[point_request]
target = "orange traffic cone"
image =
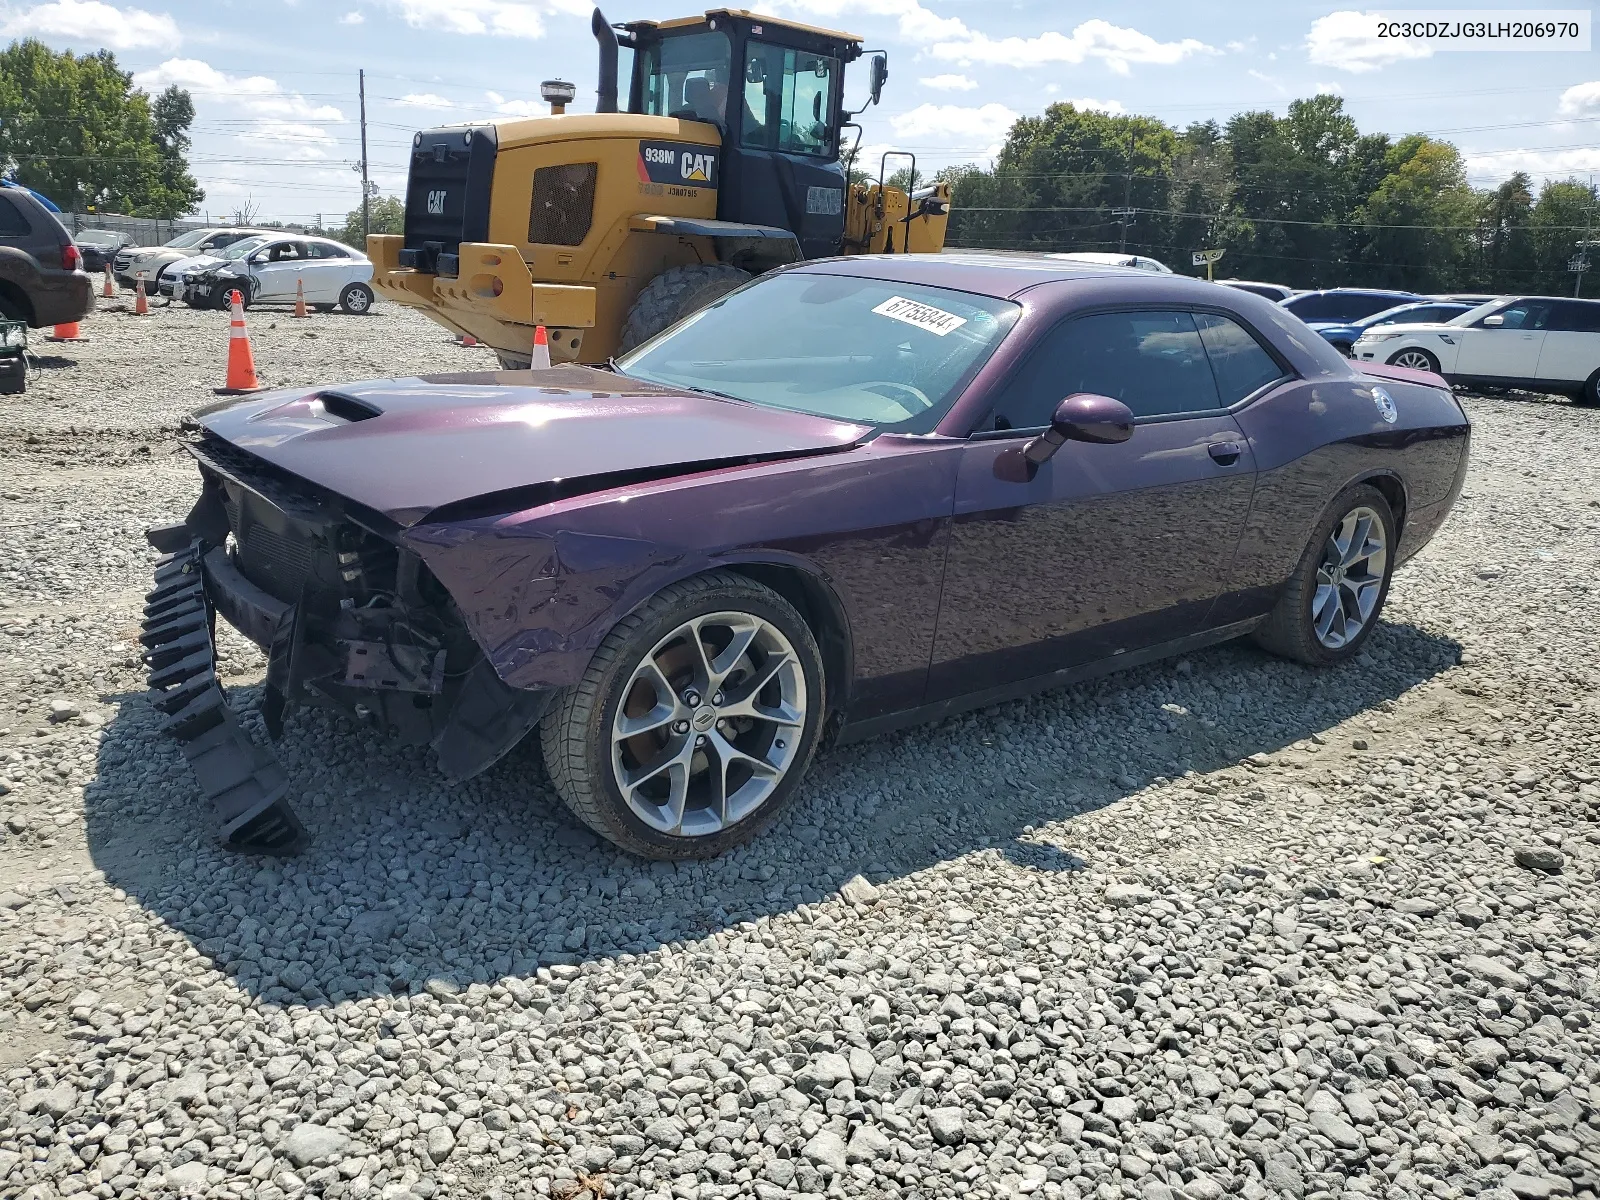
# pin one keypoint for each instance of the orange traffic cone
(300, 298)
(141, 306)
(468, 340)
(107, 289)
(241, 362)
(64, 333)
(541, 349)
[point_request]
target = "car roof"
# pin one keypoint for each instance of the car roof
(1002, 274)
(1358, 291)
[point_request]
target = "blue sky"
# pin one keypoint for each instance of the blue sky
(274, 81)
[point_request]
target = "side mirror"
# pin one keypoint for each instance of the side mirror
(1082, 417)
(880, 75)
(1494, 322)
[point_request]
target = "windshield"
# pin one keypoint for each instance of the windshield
(893, 355)
(239, 249)
(183, 240)
(96, 237)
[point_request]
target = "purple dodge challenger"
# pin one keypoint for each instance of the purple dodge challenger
(850, 495)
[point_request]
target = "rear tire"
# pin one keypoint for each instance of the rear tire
(356, 299)
(700, 718)
(1415, 358)
(1336, 594)
(1590, 395)
(675, 294)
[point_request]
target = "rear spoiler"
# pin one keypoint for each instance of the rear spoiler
(1401, 374)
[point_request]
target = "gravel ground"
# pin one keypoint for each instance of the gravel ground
(1221, 925)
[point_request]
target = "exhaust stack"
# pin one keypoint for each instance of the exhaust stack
(606, 98)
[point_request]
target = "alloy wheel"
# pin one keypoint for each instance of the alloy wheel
(1350, 578)
(1417, 360)
(709, 723)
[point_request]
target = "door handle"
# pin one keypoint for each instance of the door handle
(1226, 453)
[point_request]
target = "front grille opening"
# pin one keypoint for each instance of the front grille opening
(563, 204)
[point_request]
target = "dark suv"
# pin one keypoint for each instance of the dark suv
(40, 277)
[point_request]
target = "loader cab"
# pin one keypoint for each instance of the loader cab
(775, 90)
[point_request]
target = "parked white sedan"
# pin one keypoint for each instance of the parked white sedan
(1542, 343)
(268, 270)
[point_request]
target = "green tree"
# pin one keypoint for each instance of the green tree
(1561, 215)
(76, 129)
(1420, 220)
(1505, 241)
(388, 216)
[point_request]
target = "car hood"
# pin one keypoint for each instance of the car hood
(1421, 327)
(406, 447)
(193, 263)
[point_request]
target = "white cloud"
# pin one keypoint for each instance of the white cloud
(517, 108)
(1113, 108)
(1538, 163)
(949, 83)
(504, 18)
(423, 100)
(955, 127)
(1580, 99)
(1348, 41)
(1331, 89)
(266, 111)
(91, 22)
(1115, 45)
(353, 17)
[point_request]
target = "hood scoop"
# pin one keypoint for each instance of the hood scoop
(343, 407)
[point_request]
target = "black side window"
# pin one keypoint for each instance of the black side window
(1530, 314)
(12, 222)
(324, 250)
(1575, 316)
(1316, 307)
(1154, 362)
(1241, 365)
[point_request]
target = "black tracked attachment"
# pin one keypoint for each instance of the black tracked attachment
(243, 780)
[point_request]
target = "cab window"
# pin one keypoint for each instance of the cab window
(788, 100)
(687, 77)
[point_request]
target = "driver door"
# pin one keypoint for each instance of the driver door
(1106, 550)
(276, 269)
(1509, 350)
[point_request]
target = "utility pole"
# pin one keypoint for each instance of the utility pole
(366, 189)
(1126, 211)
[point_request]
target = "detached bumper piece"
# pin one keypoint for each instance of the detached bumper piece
(243, 780)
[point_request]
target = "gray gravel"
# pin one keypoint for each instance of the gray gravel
(1219, 926)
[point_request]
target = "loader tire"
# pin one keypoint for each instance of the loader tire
(673, 295)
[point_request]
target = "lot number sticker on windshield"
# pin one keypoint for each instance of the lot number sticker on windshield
(923, 316)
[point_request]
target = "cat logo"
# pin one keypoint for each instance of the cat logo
(436, 204)
(677, 164)
(697, 168)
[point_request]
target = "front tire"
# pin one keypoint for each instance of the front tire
(1334, 599)
(675, 294)
(690, 731)
(356, 299)
(1416, 358)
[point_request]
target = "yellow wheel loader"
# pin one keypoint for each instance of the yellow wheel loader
(607, 227)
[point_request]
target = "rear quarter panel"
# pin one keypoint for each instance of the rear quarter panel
(1313, 439)
(541, 589)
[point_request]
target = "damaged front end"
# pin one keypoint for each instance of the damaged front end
(349, 619)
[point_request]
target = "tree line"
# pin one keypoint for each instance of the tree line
(1305, 200)
(76, 129)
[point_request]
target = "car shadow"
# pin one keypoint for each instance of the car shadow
(409, 879)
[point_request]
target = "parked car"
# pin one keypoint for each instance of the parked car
(1342, 335)
(99, 247)
(1542, 343)
(269, 270)
(1472, 298)
(148, 262)
(1137, 261)
(1267, 291)
(178, 276)
(41, 277)
(1343, 305)
(852, 494)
